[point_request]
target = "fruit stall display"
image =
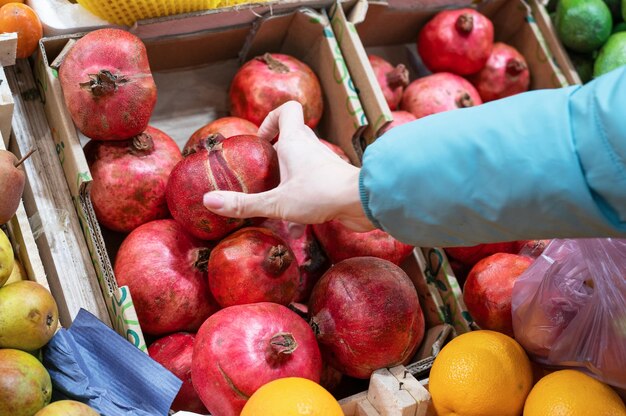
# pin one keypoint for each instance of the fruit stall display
(264, 316)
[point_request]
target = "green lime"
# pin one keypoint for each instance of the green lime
(583, 25)
(612, 55)
(584, 66)
(620, 27)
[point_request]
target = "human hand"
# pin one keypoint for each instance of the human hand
(315, 184)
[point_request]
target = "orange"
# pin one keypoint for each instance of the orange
(572, 393)
(480, 373)
(18, 17)
(292, 396)
(3, 2)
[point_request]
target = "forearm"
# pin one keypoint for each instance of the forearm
(544, 164)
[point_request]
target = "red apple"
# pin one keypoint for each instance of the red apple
(489, 288)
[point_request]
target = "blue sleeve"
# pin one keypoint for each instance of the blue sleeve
(543, 164)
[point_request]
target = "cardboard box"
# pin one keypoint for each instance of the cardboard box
(201, 64)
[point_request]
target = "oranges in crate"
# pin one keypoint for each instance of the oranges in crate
(18, 17)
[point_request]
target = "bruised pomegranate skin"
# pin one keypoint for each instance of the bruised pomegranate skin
(366, 315)
(457, 41)
(265, 82)
(488, 290)
(107, 84)
(341, 243)
(505, 73)
(437, 93)
(253, 265)
(399, 118)
(392, 80)
(312, 262)
(243, 163)
(226, 126)
(336, 149)
(243, 347)
(165, 270)
(129, 178)
(174, 352)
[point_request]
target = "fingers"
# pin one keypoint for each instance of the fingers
(287, 117)
(240, 205)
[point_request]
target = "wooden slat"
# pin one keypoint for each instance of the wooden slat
(48, 203)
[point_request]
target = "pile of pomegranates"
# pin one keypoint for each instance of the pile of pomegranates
(467, 68)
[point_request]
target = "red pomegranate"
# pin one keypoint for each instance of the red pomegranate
(366, 315)
(531, 248)
(437, 93)
(174, 352)
(107, 85)
(129, 178)
(253, 265)
(470, 255)
(399, 118)
(240, 163)
(457, 41)
(226, 126)
(165, 270)
(392, 80)
(310, 257)
(243, 347)
(506, 73)
(488, 290)
(336, 149)
(265, 82)
(340, 243)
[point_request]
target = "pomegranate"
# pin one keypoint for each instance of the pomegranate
(366, 315)
(437, 93)
(129, 178)
(174, 352)
(392, 80)
(253, 265)
(107, 85)
(457, 41)
(311, 260)
(243, 347)
(506, 73)
(165, 270)
(470, 255)
(336, 149)
(399, 118)
(340, 243)
(265, 82)
(240, 163)
(226, 126)
(531, 248)
(488, 290)
(331, 377)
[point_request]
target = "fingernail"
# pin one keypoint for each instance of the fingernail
(213, 200)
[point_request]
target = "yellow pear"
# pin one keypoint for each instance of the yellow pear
(28, 316)
(25, 385)
(67, 408)
(12, 180)
(17, 274)
(6, 258)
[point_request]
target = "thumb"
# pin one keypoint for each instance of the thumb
(239, 204)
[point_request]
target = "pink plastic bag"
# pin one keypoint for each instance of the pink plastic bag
(569, 307)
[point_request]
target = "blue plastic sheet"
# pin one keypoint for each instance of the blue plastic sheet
(91, 363)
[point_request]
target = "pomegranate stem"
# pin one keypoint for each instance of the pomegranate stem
(282, 344)
(464, 101)
(202, 261)
(143, 141)
(103, 83)
(274, 64)
(278, 259)
(514, 67)
(398, 77)
(26, 156)
(465, 23)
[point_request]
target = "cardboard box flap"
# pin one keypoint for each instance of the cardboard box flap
(374, 103)
(308, 36)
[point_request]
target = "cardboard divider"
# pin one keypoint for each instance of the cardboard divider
(192, 73)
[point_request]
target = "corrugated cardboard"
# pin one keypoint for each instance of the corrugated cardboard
(209, 59)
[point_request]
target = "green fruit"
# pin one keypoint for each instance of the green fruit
(25, 385)
(620, 27)
(6, 258)
(615, 8)
(67, 408)
(28, 316)
(612, 55)
(584, 66)
(583, 25)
